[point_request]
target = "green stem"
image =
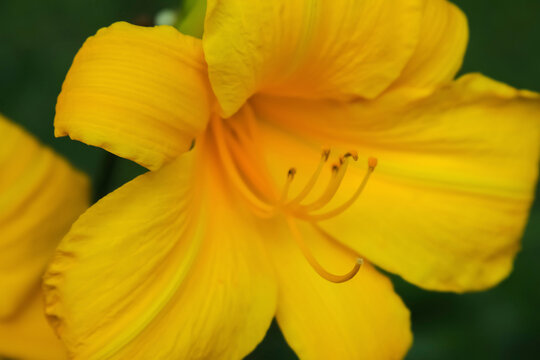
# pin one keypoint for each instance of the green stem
(191, 15)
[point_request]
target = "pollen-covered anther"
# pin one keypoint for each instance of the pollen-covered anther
(372, 163)
(290, 177)
(325, 154)
(291, 173)
(352, 154)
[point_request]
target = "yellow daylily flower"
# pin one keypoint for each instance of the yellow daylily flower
(269, 209)
(40, 197)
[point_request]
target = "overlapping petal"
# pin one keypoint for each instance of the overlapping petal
(360, 319)
(307, 48)
(164, 267)
(447, 204)
(439, 53)
(40, 196)
(140, 93)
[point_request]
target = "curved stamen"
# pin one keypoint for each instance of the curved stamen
(285, 192)
(315, 264)
(338, 172)
(372, 163)
(313, 180)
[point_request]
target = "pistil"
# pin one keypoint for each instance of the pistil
(313, 261)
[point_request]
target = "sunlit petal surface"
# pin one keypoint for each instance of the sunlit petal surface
(307, 48)
(450, 196)
(138, 92)
(162, 261)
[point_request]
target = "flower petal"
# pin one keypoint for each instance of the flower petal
(40, 196)
(307, 48)
(457, 170)
(439, 54)
(140, 93)
(27, 335)
(164, 267)
(360, 319)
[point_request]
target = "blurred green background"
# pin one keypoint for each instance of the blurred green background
(38, 40)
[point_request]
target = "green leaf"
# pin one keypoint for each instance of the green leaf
(191, 17)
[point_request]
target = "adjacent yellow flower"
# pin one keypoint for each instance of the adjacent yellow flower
(40, 196)
(194, 258)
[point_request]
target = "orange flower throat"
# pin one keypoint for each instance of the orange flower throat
(261, 197)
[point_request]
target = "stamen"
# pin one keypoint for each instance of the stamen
(313, 180)
(338, 172)
(290, 178)
(325, 154)
(315, 264)
(372, 163)
(291, 173)
(352, 154)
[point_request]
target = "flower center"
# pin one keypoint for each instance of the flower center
(254, 186)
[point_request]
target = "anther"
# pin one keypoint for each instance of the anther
(352, 154)
(285, 192)
(291, 173)
(325, 154)
(372, 163)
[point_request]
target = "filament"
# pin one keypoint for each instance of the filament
(338, 172)
(372, 163)
(313, 180)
